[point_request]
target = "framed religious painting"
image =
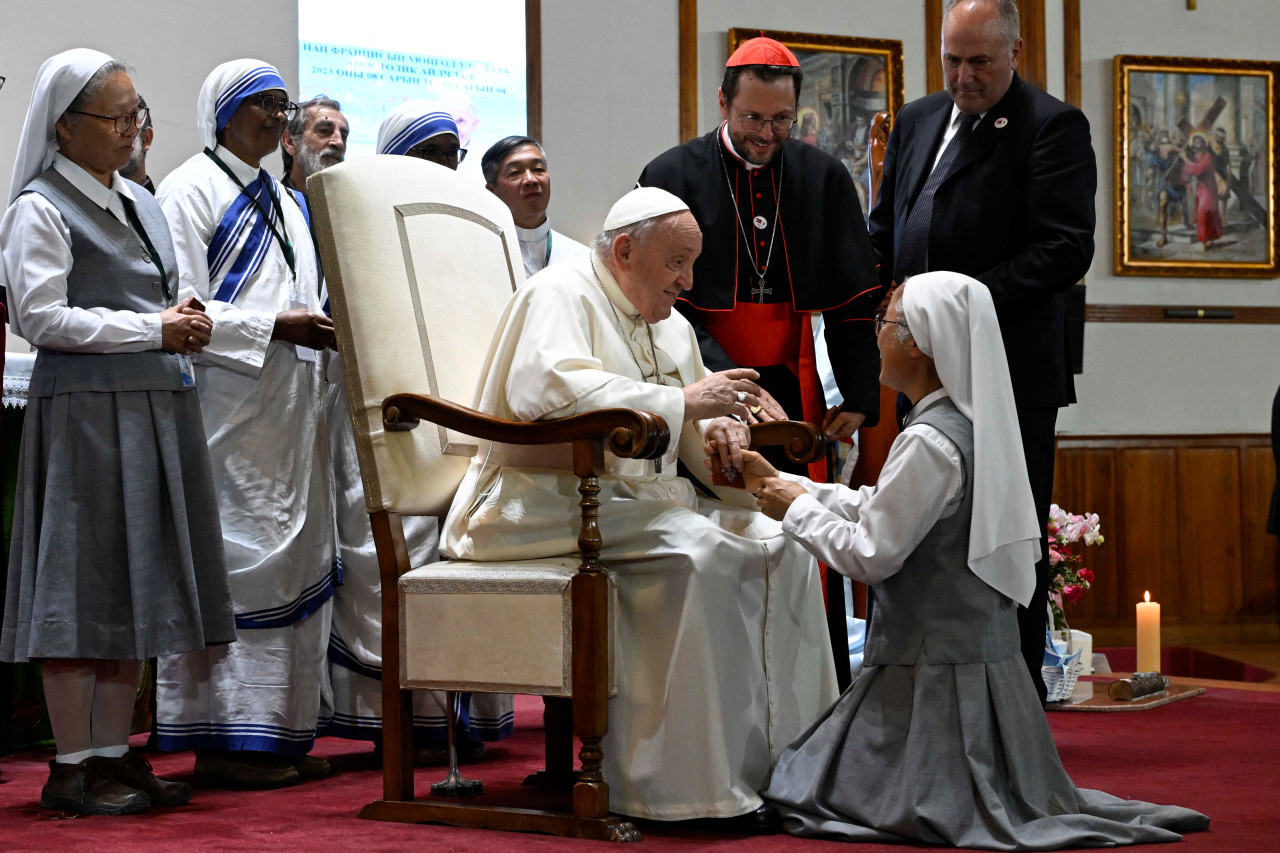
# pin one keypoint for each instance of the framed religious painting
(1195, 167)
(847, 80)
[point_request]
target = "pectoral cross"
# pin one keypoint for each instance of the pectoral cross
(758, 293)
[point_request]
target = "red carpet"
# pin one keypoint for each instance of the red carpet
(1217, 753)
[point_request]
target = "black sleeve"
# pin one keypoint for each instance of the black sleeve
(850, 327)
(880, 220)
(855, 359)
(1062, 180)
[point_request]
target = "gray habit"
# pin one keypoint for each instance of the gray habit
(942, 739)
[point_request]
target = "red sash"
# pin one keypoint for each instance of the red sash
(764, 335)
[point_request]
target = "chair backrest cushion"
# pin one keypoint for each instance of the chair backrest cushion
(420, 263)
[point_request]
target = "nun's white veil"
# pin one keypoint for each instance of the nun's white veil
(953, 320)
(58, 82)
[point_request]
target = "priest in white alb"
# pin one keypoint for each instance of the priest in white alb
(722, 650)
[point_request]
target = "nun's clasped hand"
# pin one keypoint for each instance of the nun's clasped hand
(185, 328)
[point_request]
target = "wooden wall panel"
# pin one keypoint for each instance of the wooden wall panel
(1148, 508)
(1260, 551)
(1208, 519)
(1184, 517)
(1086, 483)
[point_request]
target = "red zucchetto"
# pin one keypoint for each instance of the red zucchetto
(762, 51)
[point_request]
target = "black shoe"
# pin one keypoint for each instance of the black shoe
(135, 771)
(244, 770)
(765, 820)
(90, 788)
(311, 767)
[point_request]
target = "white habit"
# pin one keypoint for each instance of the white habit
(261, 401)
(723, 656)
(543, 246)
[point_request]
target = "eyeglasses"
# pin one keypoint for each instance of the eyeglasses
(271, 104)
(881, 322)
(752, 123)
(123, 122)
(443, 156)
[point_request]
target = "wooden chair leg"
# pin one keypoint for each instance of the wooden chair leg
(591, 690)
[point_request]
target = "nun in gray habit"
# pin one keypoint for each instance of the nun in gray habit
(941, 739)
(117, 552)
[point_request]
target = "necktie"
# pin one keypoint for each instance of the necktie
(913, 247)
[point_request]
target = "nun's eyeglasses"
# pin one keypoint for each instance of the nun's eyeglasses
(443, 156)
(124, 121)
(881, 322)
(271, 104)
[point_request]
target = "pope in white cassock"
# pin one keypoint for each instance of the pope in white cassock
(250, 709)
(722, 649)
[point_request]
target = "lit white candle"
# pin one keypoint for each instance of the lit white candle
(1148, 635)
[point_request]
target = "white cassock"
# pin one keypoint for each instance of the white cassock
(543, 246)
(261, 401)
(355, 645)
(723, 655)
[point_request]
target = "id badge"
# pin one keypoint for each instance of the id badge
(188, 372)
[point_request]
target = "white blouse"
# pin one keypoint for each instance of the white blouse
(867, 533)
(34, 268)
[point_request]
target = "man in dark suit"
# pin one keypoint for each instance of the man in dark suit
(1011, 204)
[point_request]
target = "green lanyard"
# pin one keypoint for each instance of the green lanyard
(132, 216)
(285, 244)
(547, 259)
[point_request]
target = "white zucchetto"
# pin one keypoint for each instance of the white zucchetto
(640, 204)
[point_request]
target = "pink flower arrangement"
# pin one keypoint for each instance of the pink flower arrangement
(1068, 534)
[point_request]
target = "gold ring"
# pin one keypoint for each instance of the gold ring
(755, 410)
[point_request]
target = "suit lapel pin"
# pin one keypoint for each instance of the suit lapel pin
(1001, 122)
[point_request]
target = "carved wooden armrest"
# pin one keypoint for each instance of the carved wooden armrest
(629, 433)
(802, 442)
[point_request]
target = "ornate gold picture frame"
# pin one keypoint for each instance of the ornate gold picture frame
(847, 80)
(1195, 167)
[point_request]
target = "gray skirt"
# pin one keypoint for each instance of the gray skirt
(951, 754)
(117, 548)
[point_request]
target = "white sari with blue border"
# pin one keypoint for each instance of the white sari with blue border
(263, 410)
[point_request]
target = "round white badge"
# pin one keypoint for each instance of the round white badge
(760, 223)
(1001, 122)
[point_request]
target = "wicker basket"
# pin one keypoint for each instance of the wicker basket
(1061, 669)
(1060, 681)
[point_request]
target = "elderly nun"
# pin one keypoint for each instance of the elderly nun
(116, 554)
(250, 710)
(942, 738)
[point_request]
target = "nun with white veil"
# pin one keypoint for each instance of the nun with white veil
(942, 738)
(116, 554)
(423, 130)
(250, 710)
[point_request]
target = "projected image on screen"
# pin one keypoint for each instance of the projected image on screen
(373, 55)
